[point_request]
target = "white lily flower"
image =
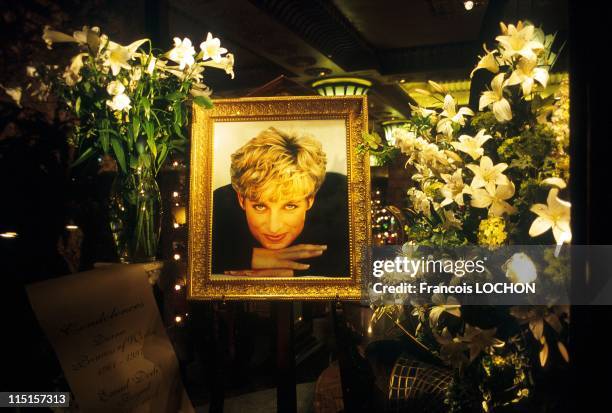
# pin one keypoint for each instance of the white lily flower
(495, 97)
(226, 63)
(31, 71)
(420, 201)
(452, 349)
(72, 74)
(472, 145)
(14, 93)
(436, 87)
(526, 74)
(453, 157)
(554, 181)
(200, 89)
(193, 72)
(151, 65)
(450, 111)
(454, 188)
(494, 199)
(196, 73)
(161, 67)
(431, 154)
(136, 74)
(488, 62)
(405, 140)
(488, 175)
(52, 36)
(211, 48)
(120, 102)
(182, 53)
(504, 28)
(520, 269)
(118, 56)
(89, 37)
(443, 305)
(555, 215)
(423, 112)
(547, 40)
(519, 40)
(451, 115)
(115, 88)
(174, 70)
(480, 340)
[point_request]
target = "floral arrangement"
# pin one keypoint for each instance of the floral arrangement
(490, 178)
(130, 103)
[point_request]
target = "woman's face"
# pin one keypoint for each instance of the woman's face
(276, 224)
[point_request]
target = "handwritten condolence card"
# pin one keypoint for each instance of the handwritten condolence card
(110, 340)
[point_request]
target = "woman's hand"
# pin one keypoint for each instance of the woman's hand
(284, 258)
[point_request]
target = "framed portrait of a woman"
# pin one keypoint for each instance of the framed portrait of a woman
(279, 199)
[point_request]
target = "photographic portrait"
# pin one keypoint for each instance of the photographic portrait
(270, 196)
(280, 199)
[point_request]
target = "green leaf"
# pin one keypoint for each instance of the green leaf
(163, 152)
(149, 129)
(104, 135)
(133, 163)
(140, 145)
(178, 144)
(104, 140)
(174, 96)
(152, 146)
(84, 156)
(77, 106)
(146, 160)
(129, 137)
(111, 131)
(178, 114)
(146, 105)
(118, 149)
(178, 131)
(203, 101)
(136, 126)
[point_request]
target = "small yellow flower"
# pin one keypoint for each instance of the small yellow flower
(492, 232)
(498, 360)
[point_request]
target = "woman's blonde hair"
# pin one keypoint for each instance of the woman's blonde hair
(275, 165)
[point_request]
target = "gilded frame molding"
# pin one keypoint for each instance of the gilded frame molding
(201, 286)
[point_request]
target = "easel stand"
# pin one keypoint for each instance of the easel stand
(354, 377)
(217, 391)
(286, 395)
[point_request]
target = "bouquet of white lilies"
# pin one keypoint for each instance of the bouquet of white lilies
(491, 178)
(127, 101)
(480, 177)
(130, 103)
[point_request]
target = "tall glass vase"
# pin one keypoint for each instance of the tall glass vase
(135, 216)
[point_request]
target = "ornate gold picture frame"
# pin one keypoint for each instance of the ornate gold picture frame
(338, 123)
